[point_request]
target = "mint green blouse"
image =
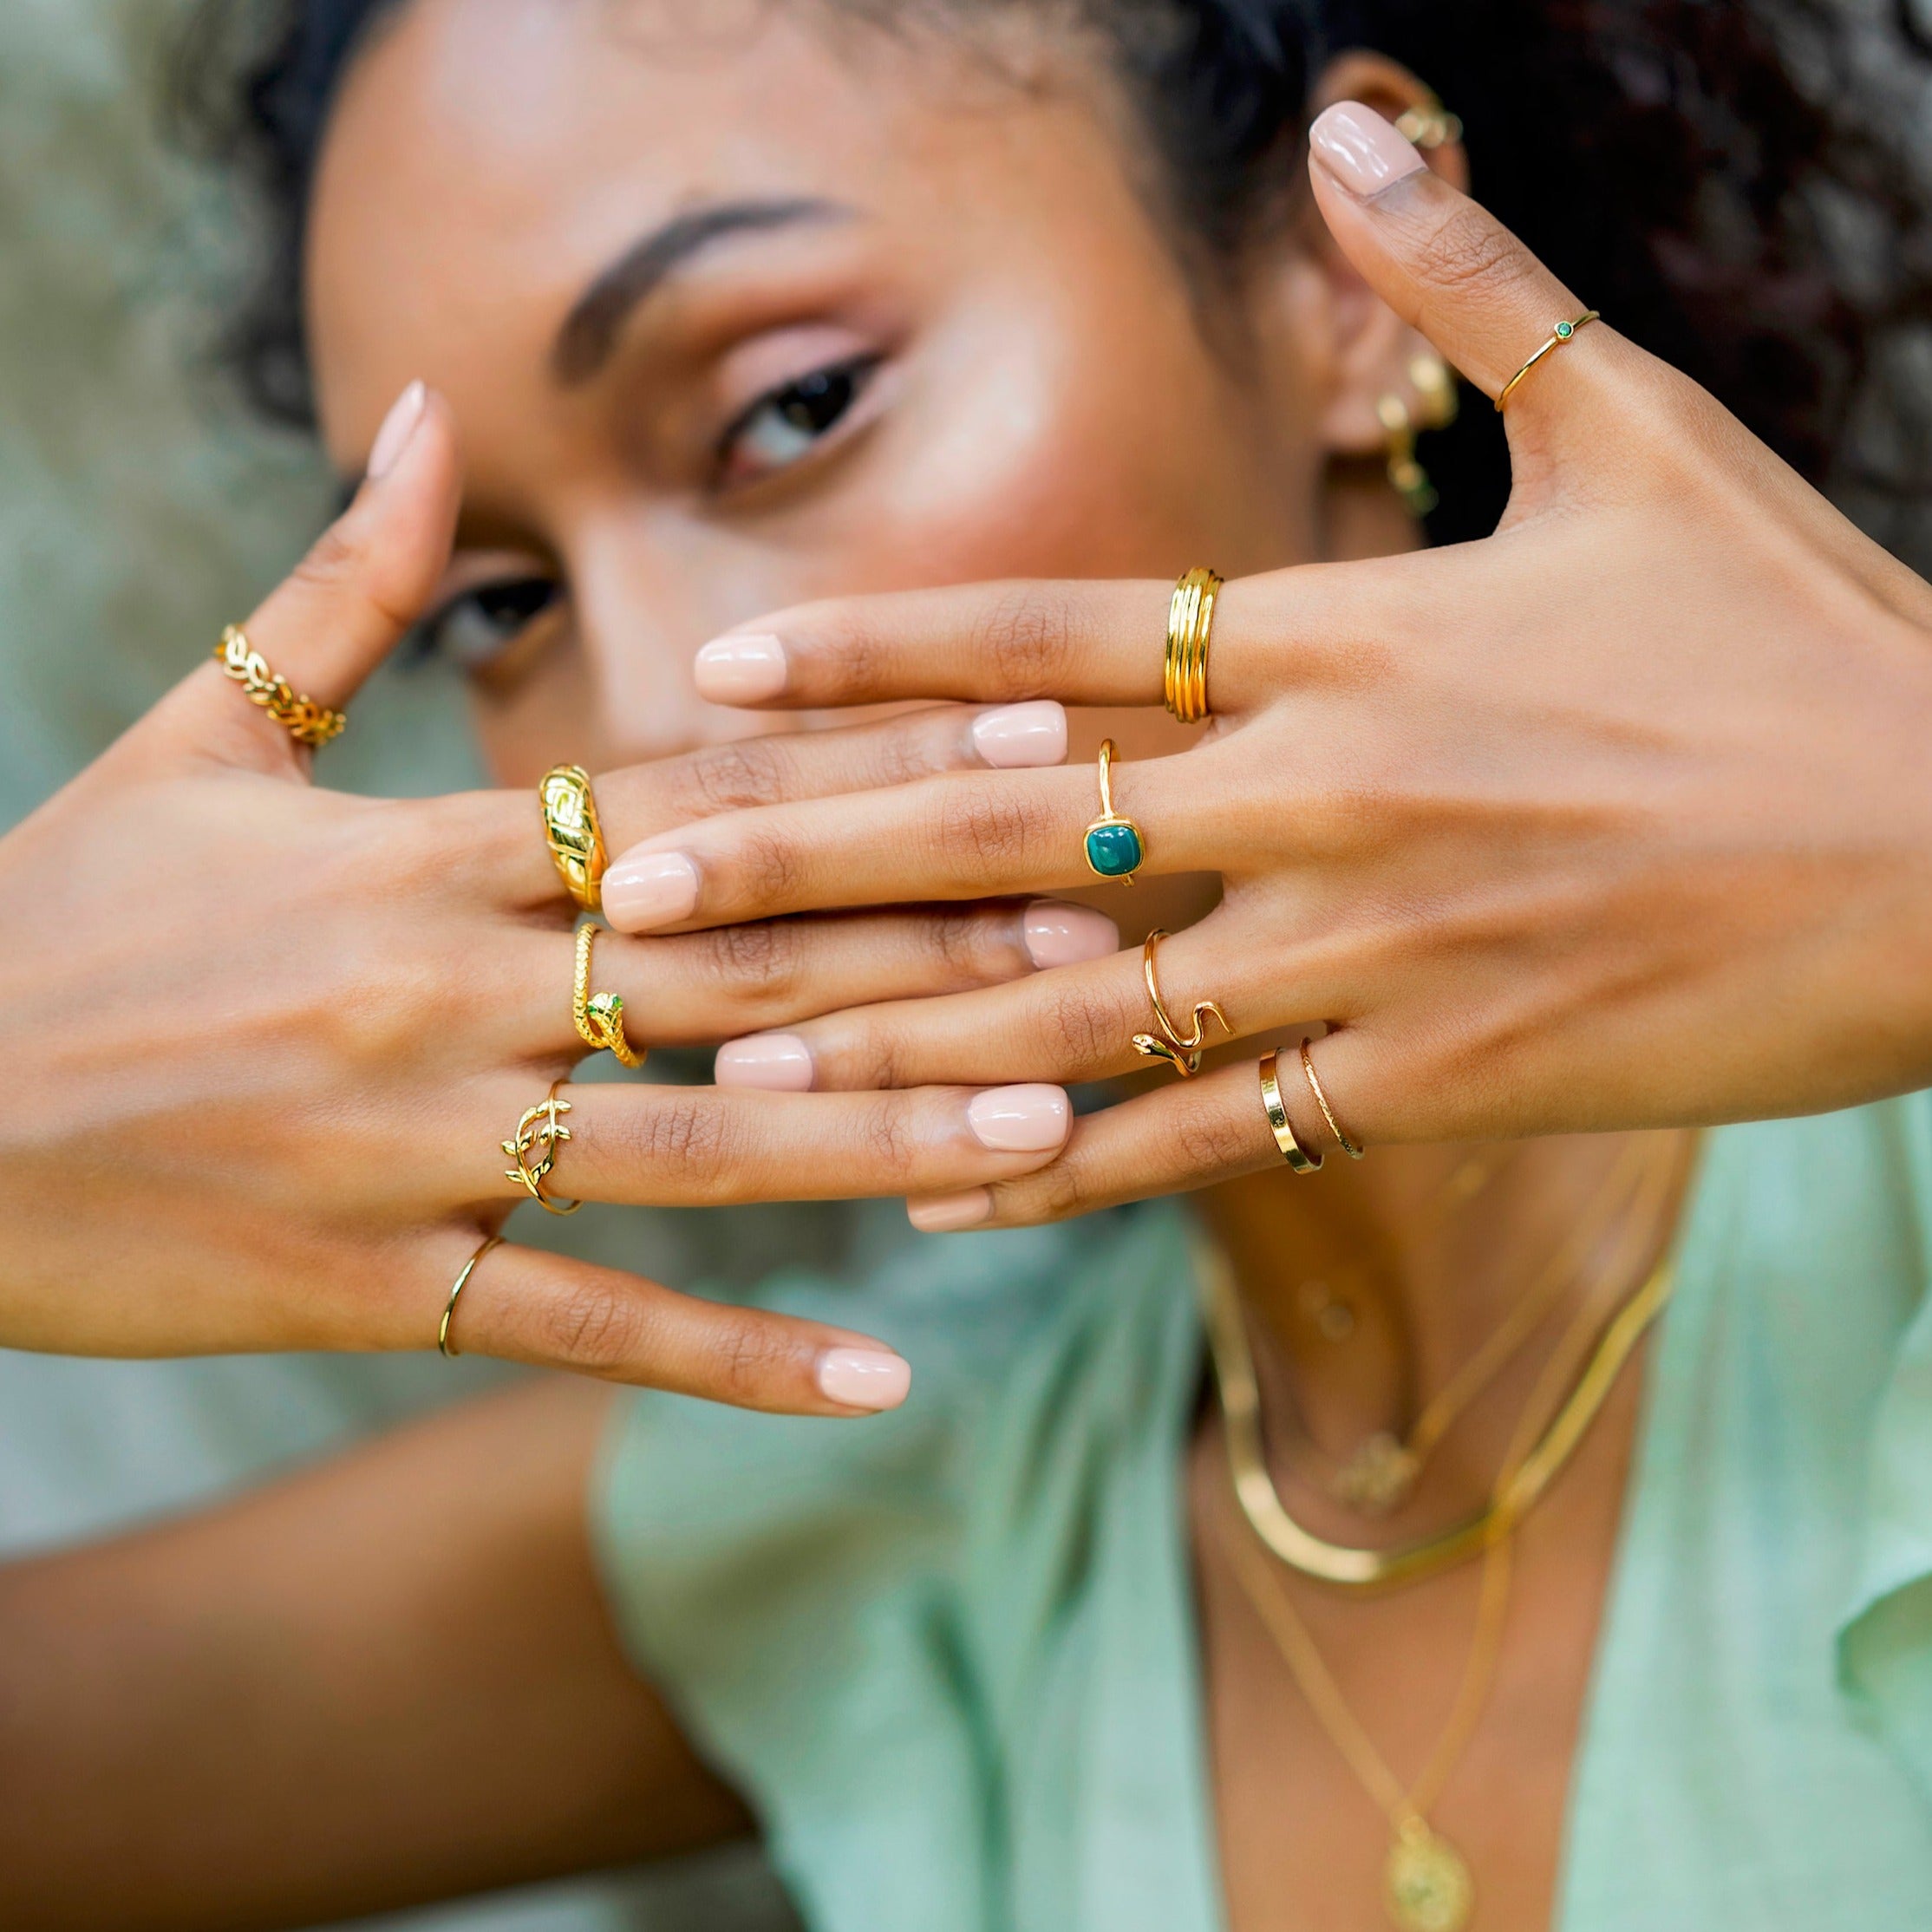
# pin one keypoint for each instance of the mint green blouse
(951, 1656)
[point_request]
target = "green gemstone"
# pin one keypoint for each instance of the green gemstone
(1565, 330)
(1114, 848)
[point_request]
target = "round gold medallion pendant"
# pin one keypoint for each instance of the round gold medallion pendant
(1427, 1886)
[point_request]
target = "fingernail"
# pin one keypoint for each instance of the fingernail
(1058, 934)
(1361, 149)
(1018, 734)
(864, 1377)
(777, 1062)
(745, 667)
(1019, 1119)
(943, 1213)
(398, 427)
(654, 889)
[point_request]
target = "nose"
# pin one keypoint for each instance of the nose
(642, 615)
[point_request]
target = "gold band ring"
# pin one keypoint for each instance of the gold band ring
(1558, 337)
(443, 1348)
(575, 837)
(1113, 845)
(1182, 1051)
(598, 1018)
(538, 1132)
(306, 722)
(1278, 1123)
(1190, 622)
(1348, 1146)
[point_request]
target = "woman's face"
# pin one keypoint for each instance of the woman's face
(769, 305)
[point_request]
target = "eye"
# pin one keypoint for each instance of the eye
(787, 422)
(474, 630)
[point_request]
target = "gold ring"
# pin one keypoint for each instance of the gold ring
(1189, 621)
(306, 722)
(1278, 1124)
(1559, 336)
(598, 1018)
(575, 836)
(1114, 846)
(1348, 1146)
(538, 1132)
(443, 1348)
(1181, 1051)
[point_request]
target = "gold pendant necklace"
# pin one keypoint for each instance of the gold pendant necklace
(1353, 1567)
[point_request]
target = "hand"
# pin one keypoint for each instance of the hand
(260, 1041)
(1618, 818)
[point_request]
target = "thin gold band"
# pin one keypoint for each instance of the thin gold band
(572, 830)
(598, 1018)
(1348, 1146)
(443, 1348)
(1278, 1123)
(306, 722)
(1189, 623)
(1182, 1051)
(1562, 332)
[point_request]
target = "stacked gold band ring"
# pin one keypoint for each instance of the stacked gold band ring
(1559, 336)
(598, 1018)
(443, 1347)
(1189, 623)
(306, 722)
(575, 837)
(1348, 1146)
(1182, 1051)
(1293, 1152)
(537, 1134)
(1112, 843)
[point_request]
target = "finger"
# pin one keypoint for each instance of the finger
(1444, 264)
(701, 988)
(648, 1145)
(1187, 1135)
(1081, 642)
(521, 1304)
(995, 834)
(642, 800)
(350, 602)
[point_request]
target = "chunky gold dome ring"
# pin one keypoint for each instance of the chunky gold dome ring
(575, 837)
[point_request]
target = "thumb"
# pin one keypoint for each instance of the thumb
(368, 576)
(1447, 267)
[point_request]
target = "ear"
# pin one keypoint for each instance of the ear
(1371, 356)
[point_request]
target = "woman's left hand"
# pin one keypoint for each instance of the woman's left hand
(1620, 818)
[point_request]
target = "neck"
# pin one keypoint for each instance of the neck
(1369, 1287)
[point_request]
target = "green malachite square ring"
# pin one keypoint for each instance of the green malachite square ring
(1114, 848)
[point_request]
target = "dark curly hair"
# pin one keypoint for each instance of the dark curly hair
(1660, 155)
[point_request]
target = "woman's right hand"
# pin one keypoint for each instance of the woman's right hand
(263, 1040)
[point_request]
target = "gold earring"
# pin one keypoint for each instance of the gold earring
(1430, 378)
(1409, 479)
(1429, 124)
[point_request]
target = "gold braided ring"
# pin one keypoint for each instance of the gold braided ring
(1348, 1146)
(598, 1018)
(1190, 622)
(538, 1133)
(1293, 1152)
(306, 722)
(1182, 1051)
(1558, 337)
(576, 839)
(443, 1348)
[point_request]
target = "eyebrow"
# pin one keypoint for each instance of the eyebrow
(590, 332)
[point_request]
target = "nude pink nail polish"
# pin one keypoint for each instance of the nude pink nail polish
(1031, 1119)
(1359, 149)
(742, 668)
(652, 889)
(864, 1377)
(1058, 934)
(775, 1062)
(398, 427)
(945, 1213)
(1021, 735)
